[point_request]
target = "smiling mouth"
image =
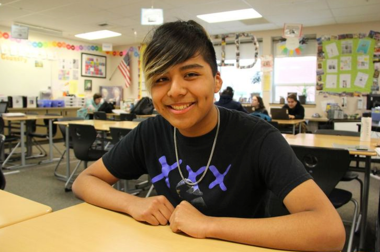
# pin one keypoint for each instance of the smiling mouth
(180, 107)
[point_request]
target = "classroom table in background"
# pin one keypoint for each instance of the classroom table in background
(292, 122)
(85, 227)
(15, 209)
(22, 120)
(101, 125)
(355, 147)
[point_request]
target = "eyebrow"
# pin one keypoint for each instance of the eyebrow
(190, 67)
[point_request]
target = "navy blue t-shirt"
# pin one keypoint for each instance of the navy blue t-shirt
(250, 158)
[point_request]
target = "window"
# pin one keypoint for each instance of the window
(245, 82)
(295, 73)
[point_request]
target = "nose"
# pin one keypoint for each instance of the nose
(178, 87)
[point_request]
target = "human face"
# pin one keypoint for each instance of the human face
(255, 102)
(184, 95)
(97, 100)
(291, 103)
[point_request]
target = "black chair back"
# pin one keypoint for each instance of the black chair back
(83, 137)
(62, 128)
(100, 115)
(326, 165)
(2, 177)
(118, 133)
(336, 132)
(3, 107)
(127, 117)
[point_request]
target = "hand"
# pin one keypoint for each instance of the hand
(153, 210)
(291, 117)
(186, 218)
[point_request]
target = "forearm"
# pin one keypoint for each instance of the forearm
(97, 192)
(302, 231)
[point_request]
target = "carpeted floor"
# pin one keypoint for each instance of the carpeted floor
(38, 183)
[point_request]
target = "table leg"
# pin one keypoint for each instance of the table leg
(294, 129)
(67, 152)
(364, 208)
(300, 128)
(51, 143)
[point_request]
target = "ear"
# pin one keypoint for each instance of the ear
(218, 82)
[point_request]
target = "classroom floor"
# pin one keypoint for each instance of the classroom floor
(39, 184)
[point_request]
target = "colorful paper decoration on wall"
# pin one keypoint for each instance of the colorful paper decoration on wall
(64, 45)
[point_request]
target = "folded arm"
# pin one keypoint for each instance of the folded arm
(94, 185)
(313, 225)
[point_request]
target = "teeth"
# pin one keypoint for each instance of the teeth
(180, 107)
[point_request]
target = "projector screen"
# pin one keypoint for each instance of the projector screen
(295, 70)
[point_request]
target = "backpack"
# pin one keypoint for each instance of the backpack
(262, 116)
(106, 107)
(143, 107)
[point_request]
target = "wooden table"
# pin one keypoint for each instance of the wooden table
(291, 122)
(15, 209)
(329, 141)
(99, 125)
(88, 228)
(22, 120)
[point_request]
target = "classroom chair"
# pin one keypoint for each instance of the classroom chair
(127, 117)
(327, 166)
(83, 137)
(62, 129)
(349, 175)
(33, 134)
(100, 115)
(2, 177)
(9, 139)
(117, 134)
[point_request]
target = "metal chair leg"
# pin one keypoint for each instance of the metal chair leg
(67, 189)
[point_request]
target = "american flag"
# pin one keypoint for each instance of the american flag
(124, 69)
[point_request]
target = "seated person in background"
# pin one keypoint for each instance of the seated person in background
(211, 167)
(258, 105)
(294, 107)
(91, 105)
(226, 100)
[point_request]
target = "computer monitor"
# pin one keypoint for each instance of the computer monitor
(3, 107)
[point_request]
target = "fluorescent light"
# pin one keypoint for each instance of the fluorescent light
(98, 35)
(230, 16)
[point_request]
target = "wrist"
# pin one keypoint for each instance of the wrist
(211, 227)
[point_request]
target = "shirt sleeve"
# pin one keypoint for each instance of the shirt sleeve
(281, 169)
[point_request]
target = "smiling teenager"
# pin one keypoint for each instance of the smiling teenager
(212, 167)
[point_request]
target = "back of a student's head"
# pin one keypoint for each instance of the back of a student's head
(228, 91)
(174, 43)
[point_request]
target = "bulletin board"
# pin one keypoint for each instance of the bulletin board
(348, 65)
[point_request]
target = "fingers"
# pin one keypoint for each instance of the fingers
(159, 211)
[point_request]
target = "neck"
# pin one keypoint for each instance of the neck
(209, 122)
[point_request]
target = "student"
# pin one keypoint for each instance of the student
(211, 167)
(258, 105)
(294, 107)
(91, 105)
(226, 100)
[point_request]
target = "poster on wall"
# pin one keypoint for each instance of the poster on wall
(93, 65)
(112, 94)
(348, 65)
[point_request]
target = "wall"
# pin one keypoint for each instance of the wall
(20, 76)
(319, 31)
